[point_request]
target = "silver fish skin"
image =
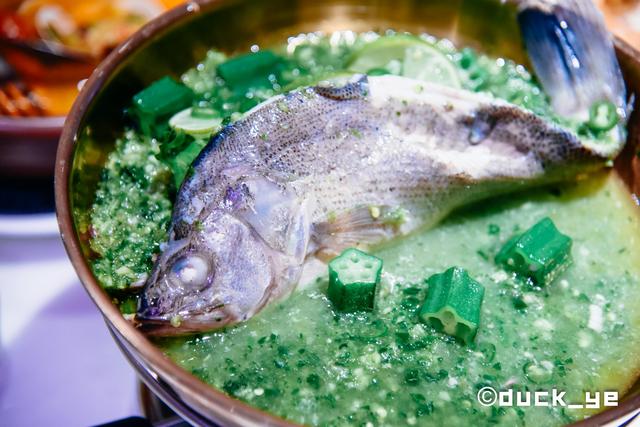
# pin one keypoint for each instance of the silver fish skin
(324, 168)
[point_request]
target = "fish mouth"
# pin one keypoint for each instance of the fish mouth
(172, 326)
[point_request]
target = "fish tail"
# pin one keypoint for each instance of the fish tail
(573, 55)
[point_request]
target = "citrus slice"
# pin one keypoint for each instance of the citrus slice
(186, 122)
(417, 58)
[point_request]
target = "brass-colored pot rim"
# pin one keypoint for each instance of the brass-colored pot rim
(203, 392)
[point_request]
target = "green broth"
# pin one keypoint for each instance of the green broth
(303, 361)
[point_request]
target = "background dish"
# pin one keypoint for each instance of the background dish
(28, 144)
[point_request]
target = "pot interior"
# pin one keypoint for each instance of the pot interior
(178, 41)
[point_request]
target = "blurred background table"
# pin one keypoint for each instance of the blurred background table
(59, 366)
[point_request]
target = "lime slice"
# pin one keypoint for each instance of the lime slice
(428, 64)
(408, 56)
(187, 123)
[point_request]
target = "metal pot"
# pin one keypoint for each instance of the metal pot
(175, 42)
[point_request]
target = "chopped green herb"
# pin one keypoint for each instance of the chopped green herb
(394, 217)
(494, 229)
(249, 69)
(282, 106)
(356, 133)
(603, 116)
(128, 305)
(162, 98)
(378, 72)
(180, 163)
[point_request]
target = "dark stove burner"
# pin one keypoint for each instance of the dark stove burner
(156, 411)
(26, 195)
(156, 414)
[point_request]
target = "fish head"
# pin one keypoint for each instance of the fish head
(221, 269)
(217, 276)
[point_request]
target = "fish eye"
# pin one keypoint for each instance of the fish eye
(190, 272)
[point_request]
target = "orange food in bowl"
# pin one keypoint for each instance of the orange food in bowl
(91, 28)
(623, 18)
(85, 30)
(55, 99)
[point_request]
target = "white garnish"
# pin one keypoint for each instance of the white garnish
(417, 331)
(530, 299)
(584, 339)
(543, 324)
(499, 276)
(381, 412)
(595, 318)
(599, 299)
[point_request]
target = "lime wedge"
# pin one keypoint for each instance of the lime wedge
(428, 64)
(408, 56)
(187, 123)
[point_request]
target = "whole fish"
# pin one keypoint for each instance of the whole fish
(321, 169)
(311, 172)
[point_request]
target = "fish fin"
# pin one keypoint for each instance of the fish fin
(573, 55)
(360, 227)
(277, 214)
(356, 88)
